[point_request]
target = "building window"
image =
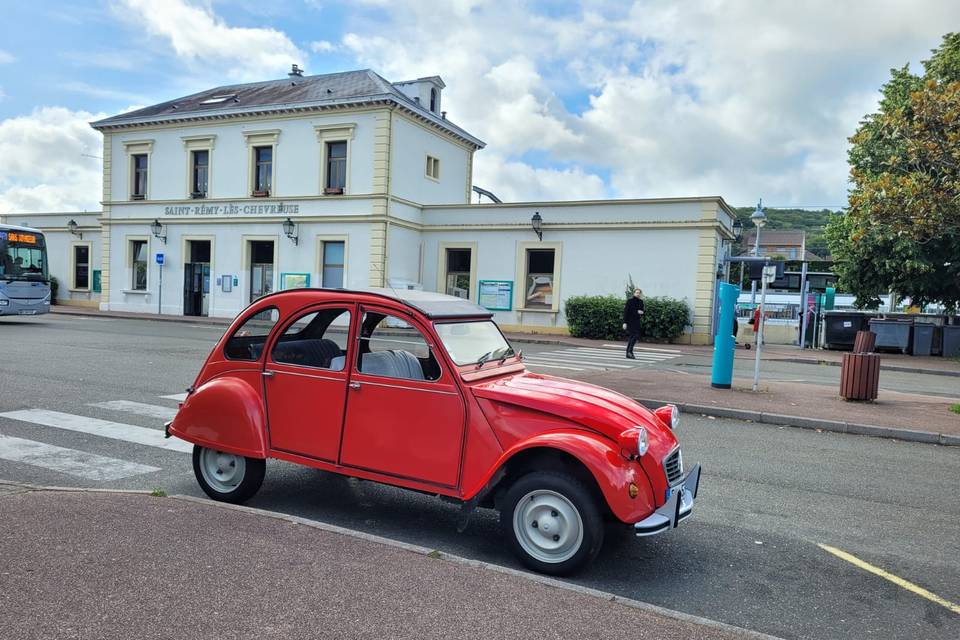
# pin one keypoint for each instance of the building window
(199, 173)
(138, 265)
(81, 266)
(539, 279)
(434, 100)
(433, 168)
(458, 272)
(333, 261)
(262, 170)
(139, 191)
(336, 167)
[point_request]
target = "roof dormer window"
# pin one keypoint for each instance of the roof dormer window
(218, 99)
(434, 100)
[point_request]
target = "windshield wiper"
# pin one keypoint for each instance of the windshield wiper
(483, 359)
(490, 355)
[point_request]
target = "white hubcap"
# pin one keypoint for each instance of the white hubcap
(548, 526)
(222, 471)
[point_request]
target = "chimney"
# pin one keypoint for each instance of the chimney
(295, 71)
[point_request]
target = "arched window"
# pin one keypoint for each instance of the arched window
(434, 100)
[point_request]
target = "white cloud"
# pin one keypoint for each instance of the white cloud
(699, 98)
(322, 46)
(6, 57)
(200, 37)
(103, 92)
(513, 181)
(45, 168)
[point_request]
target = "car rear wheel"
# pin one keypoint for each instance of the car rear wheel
(225, 476)
(551, 522)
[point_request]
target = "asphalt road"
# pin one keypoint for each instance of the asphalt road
(748, 557)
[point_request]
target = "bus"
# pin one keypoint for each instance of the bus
(24, 278)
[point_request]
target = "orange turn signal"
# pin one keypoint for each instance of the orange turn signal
(633, 490)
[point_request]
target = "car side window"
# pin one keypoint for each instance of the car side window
(393, 348)
(317, 339)
(248, 340)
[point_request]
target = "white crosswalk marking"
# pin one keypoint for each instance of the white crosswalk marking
(102, 428)
(139, 408)
(623, 346)
(598, 358)
(179, 397)
(69, 461)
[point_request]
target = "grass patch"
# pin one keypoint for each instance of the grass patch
(955, 408)
(434, 554)
(158, 493)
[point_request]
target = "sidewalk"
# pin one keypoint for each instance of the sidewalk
(89, 564)
(912, 417)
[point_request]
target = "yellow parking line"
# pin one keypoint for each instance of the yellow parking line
(900, 582)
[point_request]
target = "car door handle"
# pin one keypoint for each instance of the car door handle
(267, 374)
(354, 385)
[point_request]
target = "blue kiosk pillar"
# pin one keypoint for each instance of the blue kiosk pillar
(724, 344)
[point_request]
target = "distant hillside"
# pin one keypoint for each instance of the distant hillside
(813, 222)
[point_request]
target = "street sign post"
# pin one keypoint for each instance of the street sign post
(769, 275)
(160, 285)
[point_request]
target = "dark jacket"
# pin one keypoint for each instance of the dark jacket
(630, 315)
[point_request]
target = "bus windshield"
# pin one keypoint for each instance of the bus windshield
(23, 256)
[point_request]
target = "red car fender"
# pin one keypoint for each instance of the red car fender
(226, 414)
(613, 473)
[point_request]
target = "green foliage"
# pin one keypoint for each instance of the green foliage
(812, 222)
(664, 319)
(955, 408)
(902, 228)
(54, 287)
(601, 317)
(595, 317)
(158, 493)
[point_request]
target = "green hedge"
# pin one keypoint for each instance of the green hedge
(601, 317)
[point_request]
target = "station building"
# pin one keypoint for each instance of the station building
(349, 180)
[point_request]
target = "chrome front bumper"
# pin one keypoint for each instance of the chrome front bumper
(678, 507)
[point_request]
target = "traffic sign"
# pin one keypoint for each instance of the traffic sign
(160, 258)
(769, 273)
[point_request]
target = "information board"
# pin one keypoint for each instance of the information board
(496, 295)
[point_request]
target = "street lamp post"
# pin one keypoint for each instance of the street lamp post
(759, 218)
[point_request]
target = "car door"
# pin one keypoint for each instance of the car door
(305, 381)
(405, 415)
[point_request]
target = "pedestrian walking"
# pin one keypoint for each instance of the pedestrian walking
(632, 314)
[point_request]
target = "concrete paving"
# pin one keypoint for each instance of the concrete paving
(101, 565)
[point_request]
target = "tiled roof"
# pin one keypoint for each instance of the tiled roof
(290, 94)
(775, 236)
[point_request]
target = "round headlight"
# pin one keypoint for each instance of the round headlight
(643, 442)
(674, 417)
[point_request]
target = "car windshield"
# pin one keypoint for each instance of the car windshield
(473, 342)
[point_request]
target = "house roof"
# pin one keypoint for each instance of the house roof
(776, 237)
(306, 93)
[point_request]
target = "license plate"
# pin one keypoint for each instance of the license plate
(28, 312)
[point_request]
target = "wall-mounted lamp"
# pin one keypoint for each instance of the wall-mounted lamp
(290, 230)
(737, 230)
(72, 226)
(157, 230)
(537, 222)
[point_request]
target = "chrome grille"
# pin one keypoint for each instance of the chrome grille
(673, 467)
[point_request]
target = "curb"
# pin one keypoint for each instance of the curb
(835, 426)
(424, 551)
(213, 322)
(889, 367)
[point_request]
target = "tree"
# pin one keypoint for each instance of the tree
(902, 227)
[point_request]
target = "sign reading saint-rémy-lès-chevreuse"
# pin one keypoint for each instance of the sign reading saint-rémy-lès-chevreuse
(231, 209)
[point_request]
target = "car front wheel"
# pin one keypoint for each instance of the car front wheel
(551, 522)
(225, 476)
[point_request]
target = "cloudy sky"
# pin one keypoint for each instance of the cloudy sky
(575, 100)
